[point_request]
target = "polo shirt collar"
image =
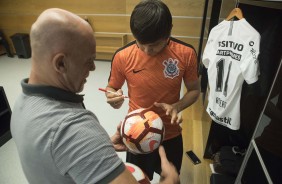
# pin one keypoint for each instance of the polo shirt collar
(50, 91)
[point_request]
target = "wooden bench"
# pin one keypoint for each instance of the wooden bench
(107, 44)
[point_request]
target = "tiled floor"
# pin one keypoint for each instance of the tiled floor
(13, 70)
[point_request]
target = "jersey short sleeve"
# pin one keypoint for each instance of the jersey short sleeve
(191, 72)
(231, 57)
(250, 66)
(117, 78)
(208, 51)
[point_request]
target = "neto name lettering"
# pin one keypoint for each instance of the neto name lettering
(220, 102)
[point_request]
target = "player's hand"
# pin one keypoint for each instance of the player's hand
(170, 111)
(117, 140)
(169, 174)
(115, 100)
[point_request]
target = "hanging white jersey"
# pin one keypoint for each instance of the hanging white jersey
(230, 56)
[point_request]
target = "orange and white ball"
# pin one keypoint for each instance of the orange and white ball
(142, 131)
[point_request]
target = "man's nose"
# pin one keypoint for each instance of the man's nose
(92, 66)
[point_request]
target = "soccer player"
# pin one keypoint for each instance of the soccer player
(154, 66)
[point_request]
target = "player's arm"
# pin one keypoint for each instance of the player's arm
(191, 96)
(192, 84)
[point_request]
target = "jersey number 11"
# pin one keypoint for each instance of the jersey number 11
(220, 75)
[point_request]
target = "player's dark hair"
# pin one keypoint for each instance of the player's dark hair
(150, 21)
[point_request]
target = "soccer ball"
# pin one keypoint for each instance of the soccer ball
(138, 174)
(142, 131)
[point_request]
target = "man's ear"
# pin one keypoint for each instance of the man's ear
(59, 63)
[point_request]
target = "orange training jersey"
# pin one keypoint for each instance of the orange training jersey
(154, 78)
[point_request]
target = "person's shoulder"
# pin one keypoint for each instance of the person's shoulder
(248, 34)
(179, 44)
(248, 28)
(82, 113)
(126, 48)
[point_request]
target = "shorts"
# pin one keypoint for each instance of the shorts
(151, 162)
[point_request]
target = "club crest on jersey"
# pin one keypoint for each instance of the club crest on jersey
(171, 69)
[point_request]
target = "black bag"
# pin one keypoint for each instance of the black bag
(221, 179)
(228, 160)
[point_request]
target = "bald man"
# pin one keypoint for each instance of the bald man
(58, 140)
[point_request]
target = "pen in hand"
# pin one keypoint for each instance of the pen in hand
(104, 90)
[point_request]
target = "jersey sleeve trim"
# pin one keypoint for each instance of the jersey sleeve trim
(115, 173)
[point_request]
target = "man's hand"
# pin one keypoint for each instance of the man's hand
(170, 111)
(169, 174)
(117, 140)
